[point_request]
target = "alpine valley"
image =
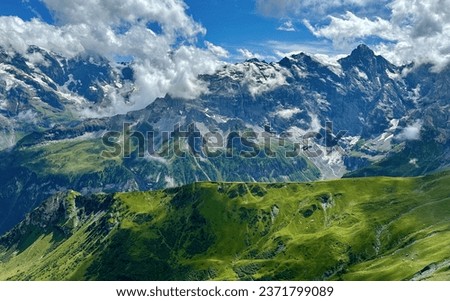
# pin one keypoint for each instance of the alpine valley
(302, 169)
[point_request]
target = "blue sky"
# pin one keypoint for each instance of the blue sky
(231, 24)
(235, 24)
(401, 30)
(200, 39)
(25, 9)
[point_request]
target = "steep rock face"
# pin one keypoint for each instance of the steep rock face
(360, 94)
(58, 213)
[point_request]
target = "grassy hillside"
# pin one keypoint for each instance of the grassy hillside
(351, 229)
(31, 173)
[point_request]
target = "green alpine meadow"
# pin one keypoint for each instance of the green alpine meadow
(350, 229)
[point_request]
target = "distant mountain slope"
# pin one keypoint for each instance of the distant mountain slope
(352, 229)
(358, 116)
(35, 172)
(41, 89)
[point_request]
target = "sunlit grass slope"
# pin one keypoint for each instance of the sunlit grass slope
(351, 229)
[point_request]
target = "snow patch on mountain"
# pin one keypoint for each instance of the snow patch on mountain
(361, 74)
(288, 113)
(258, 77)
(331, 62)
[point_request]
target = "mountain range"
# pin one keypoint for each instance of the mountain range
(302, 119)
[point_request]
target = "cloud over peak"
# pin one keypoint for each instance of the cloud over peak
(159, 36)
(401, 30)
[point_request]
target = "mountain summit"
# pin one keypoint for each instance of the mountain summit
(365, 60)
(362, 51)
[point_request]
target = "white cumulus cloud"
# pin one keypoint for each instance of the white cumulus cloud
(287, 26)
(401, 30)
(413, 31)
(247, 54)
(312, 8)
(158, 34)
(411, 132)
(217, 50)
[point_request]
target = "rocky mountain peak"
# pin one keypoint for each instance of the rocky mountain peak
(363, 51)
(363, 59)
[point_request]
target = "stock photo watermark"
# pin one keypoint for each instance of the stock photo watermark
(188, 140)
